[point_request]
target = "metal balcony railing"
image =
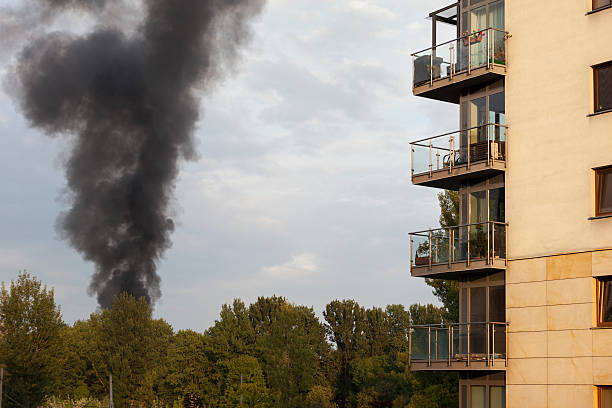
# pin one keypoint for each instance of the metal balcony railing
(484, 241)
(482, 344)
(483, 48)
(484, 143)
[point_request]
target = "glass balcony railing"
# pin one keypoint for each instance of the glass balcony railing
(484, 48)
(484, 143)
(485, 241)
(450, 343)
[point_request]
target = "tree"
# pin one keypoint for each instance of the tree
(245, 382)
(447, 291)
(188, 369)
(128, 343)
(291, 347)
(346, 328)
(30, 340)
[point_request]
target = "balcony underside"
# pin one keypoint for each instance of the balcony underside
(456, 269)
(459, 365)
(448, 90)
(451, 179)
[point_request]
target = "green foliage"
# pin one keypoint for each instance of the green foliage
(128, 343)
(269, 354)
(447, 291)
(31, 339)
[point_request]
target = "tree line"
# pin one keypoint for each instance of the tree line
(271, 353)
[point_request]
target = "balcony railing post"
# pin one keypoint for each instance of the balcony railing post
(488, 33)
(469, 49)
(469, 237)
(430, 157)
(411, 255)
(437, 344)
(493, 240)
(412, 160)
(437, 258)
(449, 232)
(488, 240)
(451, 154)
(449, 331)
(469, 147)
(468, 345)
(452, 59)
(431, 59)
(409, 346)
(429, 346)
(452, 342)
(429, 245)
(493, 340)
(488, 327)
(489, 145)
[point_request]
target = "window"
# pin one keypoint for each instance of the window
(602, 79)
(597, 4)
(603, 191)
(604, 303)
(604, 397)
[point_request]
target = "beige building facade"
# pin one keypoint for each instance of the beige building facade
(531, 162)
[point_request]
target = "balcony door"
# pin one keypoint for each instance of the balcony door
(483, 120)
(476, 17)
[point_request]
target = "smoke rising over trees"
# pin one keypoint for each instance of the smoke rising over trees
(130, 102)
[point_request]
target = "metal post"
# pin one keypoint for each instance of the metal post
(452, 60)
(468, 245)
(469, 49)
(412, 160)
(469, 147)
(493, 336)
(409, 346)
(468, 345)
(410, 253)
(488, 344)
(111, 404)
(450, 243)
(489, 144)
(451, 156)
(430, 157)
(429, 244)
(493, 239)
(437, 344)
(488, 49)
(1, 384)
(429, 346)
(431, 67)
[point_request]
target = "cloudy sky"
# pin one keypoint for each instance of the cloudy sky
(302, 188)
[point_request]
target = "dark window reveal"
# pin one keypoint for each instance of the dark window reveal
(604, 302)
(597, 4)
(604, 395)
(603, 86)
(603, 191)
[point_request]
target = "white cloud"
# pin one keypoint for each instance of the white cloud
(298, 266)
(371, 9)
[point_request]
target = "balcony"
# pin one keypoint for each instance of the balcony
(446, 160)
(458, 346)
(442, 71)
(448, 252)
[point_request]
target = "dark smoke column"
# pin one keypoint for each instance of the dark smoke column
(131, 103)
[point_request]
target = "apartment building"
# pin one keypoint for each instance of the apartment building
(531, 159)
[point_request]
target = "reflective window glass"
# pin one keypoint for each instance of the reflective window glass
(604, 191)
(603, 87)
(497, 397)
(478, 396)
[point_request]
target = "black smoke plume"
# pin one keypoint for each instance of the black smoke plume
(130, 102)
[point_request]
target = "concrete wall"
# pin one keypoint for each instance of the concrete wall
(556, 355)
(552, 144)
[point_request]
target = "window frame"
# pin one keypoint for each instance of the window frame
(596, 69)
(598, 189)
(600, 292)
